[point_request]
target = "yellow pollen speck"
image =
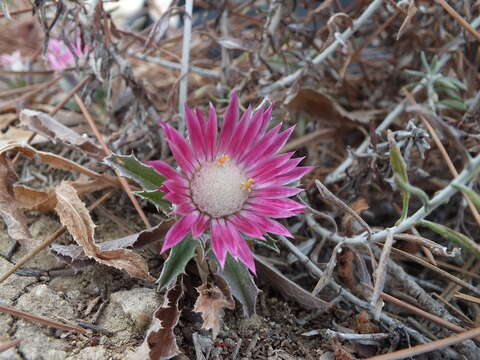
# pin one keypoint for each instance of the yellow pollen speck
(248, 185)
(223, 160)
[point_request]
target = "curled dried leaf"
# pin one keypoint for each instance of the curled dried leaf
(44, 124)
(75, 216)
(160, 342)
(210, 303)
(38, 200)
(10, 209)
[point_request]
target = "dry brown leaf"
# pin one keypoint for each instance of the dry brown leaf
(323, 106)
(21, 136)
(44, 124)
(38, 200)
(287, 287)
(160, 342)
(75, 216)
(75, 256)
(10, 210)
(6, 119)
(210, 303)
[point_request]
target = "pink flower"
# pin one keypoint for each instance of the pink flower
(233, 183)
(59, 55)
(13, 62)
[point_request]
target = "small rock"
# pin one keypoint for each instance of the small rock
(38, 345)
(11, 287)
(139, 304)
(42, 300)
(91, 353)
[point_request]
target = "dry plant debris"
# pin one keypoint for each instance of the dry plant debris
(384, 256)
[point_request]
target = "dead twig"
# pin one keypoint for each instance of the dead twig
(40, 319)
(432, 346)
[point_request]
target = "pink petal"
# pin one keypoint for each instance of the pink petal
(246, 256)
(292, 175)
(240, 133)
(200, 225)
(229, 123)
(195, 132)
(268, 164)
(201, 121)
(176, 198)
(280, 141)
(268, 225)
(211, 134)
(268, 175)
(218, 245)
(273, 207)
(276, 192)
(180, 149)
(183, 208)
(254, 126)
(261, 146)
(178, 231)
(177, 187)
(242, 250)
(163, 188)
(166, 170)
(245, 226)
(287, 204)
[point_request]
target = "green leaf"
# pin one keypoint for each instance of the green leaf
(415, 191)
(454, 104)
(470, 194)
(130, 167)
(156, 198)
(241, 284)
(425, 63)
(400, 174)
(457, 238)
(269, 243)
(177, 260)
(450, 83)
(414, 73)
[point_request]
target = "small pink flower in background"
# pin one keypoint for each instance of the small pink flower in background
(233, 183)
(59, 55)
(13, 62)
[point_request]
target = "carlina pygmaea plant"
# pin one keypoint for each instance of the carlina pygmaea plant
(233, 182)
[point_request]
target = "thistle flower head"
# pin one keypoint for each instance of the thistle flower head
(233, 183)
(60, 56)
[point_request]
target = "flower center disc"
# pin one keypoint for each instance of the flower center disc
(217, 189)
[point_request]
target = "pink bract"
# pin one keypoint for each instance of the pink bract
(232, 183)
(60, 56)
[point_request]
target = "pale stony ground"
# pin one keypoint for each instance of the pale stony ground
(124, 318)
(123, 308)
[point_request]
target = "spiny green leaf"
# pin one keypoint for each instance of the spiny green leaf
(177, 260)
(470, 194)
(454, 236)
(129, 166)
(241, 284)
(156, 197)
